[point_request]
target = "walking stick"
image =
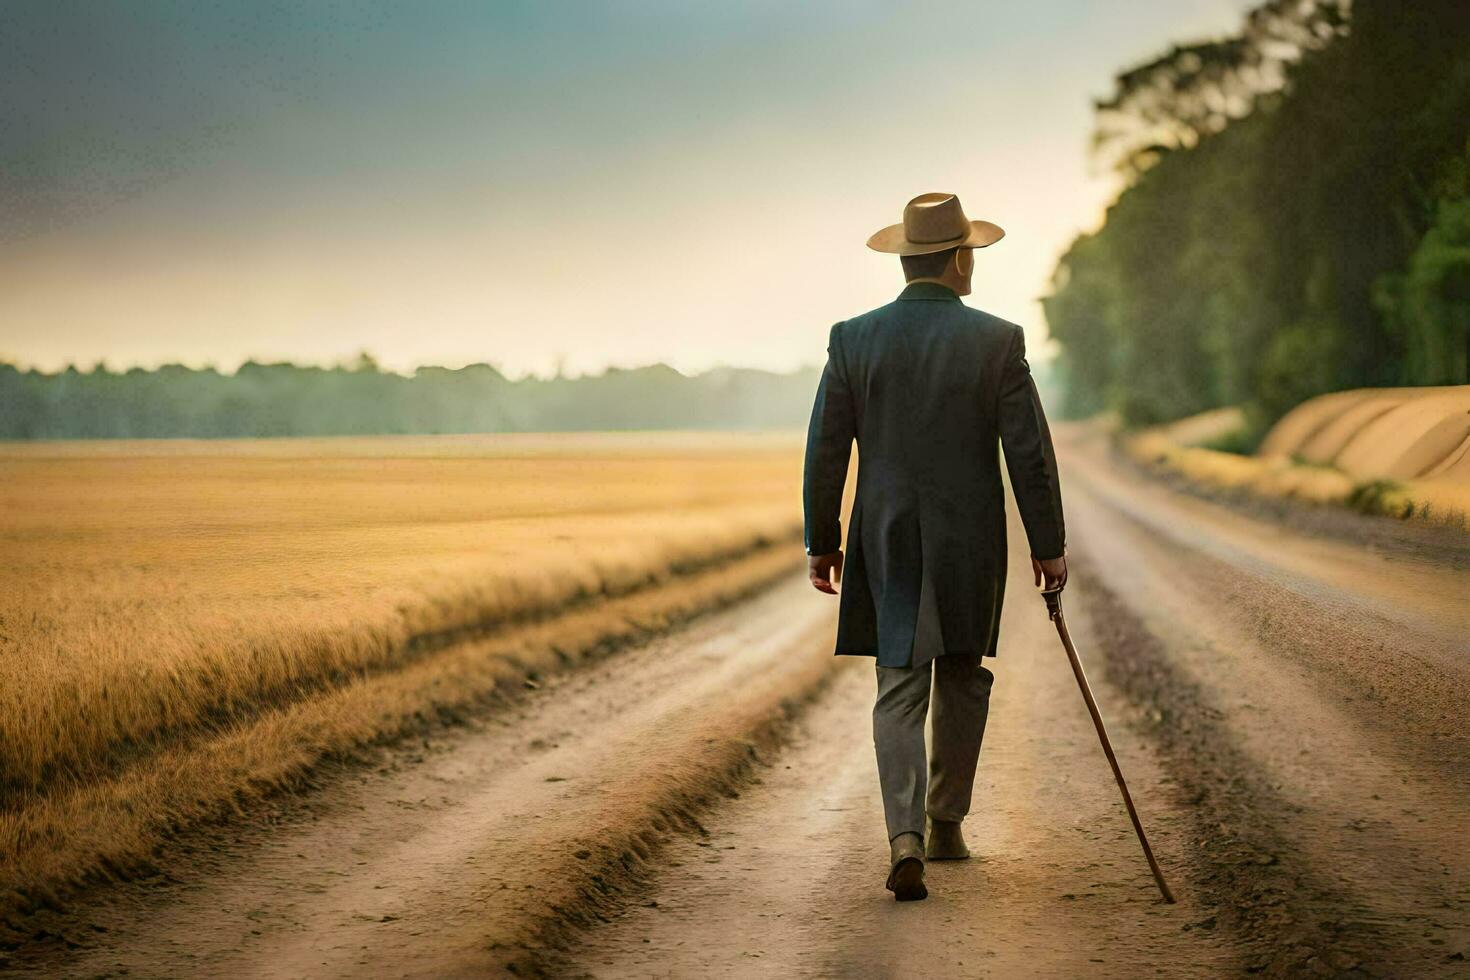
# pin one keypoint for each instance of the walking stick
(1053, 599)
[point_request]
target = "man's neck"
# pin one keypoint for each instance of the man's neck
(956, 288)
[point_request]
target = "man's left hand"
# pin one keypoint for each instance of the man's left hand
(1051, 570)
(824, 571)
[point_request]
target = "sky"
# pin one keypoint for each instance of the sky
(538, 185)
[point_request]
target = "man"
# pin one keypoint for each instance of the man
(928, 387)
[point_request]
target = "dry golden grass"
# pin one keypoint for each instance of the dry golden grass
(185, 624)
(1268, 477)
(1440, 502)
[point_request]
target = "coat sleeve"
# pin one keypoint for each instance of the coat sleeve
(1030, 458)
(828, 450)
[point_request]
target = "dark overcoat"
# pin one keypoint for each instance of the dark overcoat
(929, 388)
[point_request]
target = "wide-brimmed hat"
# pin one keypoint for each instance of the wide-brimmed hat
(933, 223)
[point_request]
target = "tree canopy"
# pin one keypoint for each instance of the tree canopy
(1295, 217)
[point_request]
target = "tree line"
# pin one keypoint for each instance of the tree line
(1295, 217)
(361, 398)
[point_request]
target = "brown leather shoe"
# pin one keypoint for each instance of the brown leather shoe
(945, 842)
(906, 876)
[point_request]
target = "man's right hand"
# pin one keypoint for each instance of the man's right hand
(1053, 570)
(823, 570)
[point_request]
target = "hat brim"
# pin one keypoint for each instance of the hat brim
(892, 241)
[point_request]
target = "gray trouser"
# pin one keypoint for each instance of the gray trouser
(961, 701)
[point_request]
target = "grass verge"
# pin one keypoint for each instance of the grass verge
(1277, 478)
(67, 836)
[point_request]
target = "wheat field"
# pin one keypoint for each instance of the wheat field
(185, 624)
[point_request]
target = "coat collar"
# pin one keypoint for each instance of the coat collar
(928, 290)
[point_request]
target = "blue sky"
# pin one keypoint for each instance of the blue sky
(530, 183)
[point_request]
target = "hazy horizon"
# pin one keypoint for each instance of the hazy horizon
(349, 362)
(450, 184)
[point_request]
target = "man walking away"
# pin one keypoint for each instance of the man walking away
(928, 387)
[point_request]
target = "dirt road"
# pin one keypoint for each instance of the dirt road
(1290, 710)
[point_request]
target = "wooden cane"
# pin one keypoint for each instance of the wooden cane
(1053, 599)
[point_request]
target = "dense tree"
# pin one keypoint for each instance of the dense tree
(1427, 307)
(1294, 218)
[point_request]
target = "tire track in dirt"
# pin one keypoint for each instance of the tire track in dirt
(1315, 724)
(1257, 883)
(1309, 830)
(494, 845)
(789, 882)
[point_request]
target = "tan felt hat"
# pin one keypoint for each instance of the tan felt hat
(933, 223)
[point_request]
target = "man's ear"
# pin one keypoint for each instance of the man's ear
(964, 261)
